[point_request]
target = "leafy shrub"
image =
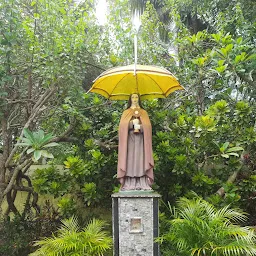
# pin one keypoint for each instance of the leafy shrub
(89, 193)
(198, 228)
(67, 206)
(50, 181)
(71, 240)
(17, 235)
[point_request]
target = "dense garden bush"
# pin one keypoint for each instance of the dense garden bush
(198, 228)
(18, 235)
(72, 240)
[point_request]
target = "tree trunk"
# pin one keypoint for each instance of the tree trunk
(3, 158)
(1, 201)
(9, 170)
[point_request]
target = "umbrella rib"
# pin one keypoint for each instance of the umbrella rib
(178, 86)
(100, 90)
(156, 84)
(118, 83)
(131, 70)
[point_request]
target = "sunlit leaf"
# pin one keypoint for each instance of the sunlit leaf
(225, 155)
(233, 149)
(30, 150)
(52, 144)
(46, 154)
(37, 154)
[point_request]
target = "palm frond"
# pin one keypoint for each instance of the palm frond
(69, 225)
(70, 240)
(198, 228)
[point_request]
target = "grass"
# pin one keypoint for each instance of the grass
(21, 199)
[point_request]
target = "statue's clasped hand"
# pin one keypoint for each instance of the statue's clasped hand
(135, 121)
(136, 125)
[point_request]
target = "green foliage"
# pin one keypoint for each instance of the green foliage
(67, 206)
(36, 143)
(77, 181)
(76, 166)
(200, 136)
(47, 181)
(199, 152)
(71, 240)
(198, 228)
(17, 235)
(90, 193)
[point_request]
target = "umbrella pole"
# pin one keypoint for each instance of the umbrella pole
(135, 52)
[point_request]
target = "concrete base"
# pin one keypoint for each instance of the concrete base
(135, 223)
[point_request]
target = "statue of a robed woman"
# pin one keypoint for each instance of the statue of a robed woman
(135, 155)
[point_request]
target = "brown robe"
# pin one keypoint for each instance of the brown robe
(147, 153)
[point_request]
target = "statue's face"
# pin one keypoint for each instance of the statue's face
(135, 99)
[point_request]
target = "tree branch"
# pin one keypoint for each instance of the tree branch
(95, 66)
(65, 139)
(63, 136)
(15, 174)
(35, 195)
(34, 113)
(20, 101)
(231, 179)
(11, 207)
(107, 144)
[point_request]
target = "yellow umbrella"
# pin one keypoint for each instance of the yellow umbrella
(148, 81)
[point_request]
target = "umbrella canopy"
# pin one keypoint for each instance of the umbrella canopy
(148, 81)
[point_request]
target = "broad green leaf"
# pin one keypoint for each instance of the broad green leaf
(40, 135)
(200, 61)
(46, 154)
(23, 144)
(30, 150)
(67, 164)
(46, 138)
(225, 155)
(28, 141)
(216, 37)
(223, 52)
(36, 141)
(233, 154)
(96, 100)
(36, 15)
(234, 149)
(37, 154)
(96, 154)
(239, 40)
(225, 145)
(250, 57)
(238, 58)
(229, 47)
(29, 135)
(221, 62)
(52, 144)
(221, 69)
(62, 10)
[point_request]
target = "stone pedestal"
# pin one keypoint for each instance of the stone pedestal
(135, 223)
